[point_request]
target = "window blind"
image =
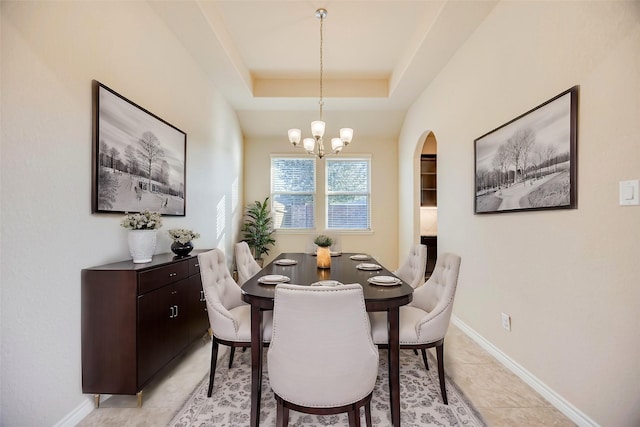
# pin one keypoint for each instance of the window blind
(348, 193)
(293, 188)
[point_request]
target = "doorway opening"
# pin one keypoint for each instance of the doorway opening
(429, 200)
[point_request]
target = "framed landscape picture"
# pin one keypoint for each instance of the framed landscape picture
(530, 162)
(138, 158)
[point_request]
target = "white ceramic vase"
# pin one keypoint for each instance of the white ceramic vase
(142, 245)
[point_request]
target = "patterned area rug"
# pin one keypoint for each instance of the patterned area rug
(229, 406)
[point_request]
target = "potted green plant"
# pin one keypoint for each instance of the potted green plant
(323, 254)
(258, 228)
(323, 241)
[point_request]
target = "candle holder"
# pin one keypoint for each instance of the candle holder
(324, 257)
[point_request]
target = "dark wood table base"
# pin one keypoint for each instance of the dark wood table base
(393, 328)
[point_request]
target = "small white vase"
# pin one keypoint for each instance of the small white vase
(142, 245)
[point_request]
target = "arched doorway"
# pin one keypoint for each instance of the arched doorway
(428, 200)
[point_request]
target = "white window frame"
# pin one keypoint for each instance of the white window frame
(312, 193)
(327, 193)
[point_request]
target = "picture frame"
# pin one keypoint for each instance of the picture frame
(139, 159)
(530, 162)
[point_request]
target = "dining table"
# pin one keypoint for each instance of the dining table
(346, 268)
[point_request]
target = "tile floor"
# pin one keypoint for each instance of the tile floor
(500, 396)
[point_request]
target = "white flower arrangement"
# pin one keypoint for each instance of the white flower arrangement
(144, 220)
(182, 235)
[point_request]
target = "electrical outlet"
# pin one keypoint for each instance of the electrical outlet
(506, 322)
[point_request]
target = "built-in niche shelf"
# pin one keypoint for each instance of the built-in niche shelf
(428, 180)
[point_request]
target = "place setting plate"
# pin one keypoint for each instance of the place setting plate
(368, 266)
(360, 257)
(285, 261)
(384, 280)
(327, 283)
(273, 279)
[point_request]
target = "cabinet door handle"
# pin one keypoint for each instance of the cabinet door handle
(173, 274)
(197, 265)
(202, 296)
(174, 311)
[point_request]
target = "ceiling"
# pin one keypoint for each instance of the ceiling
(379, 55)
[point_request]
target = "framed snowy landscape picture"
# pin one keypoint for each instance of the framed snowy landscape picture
(530, 162)
(138, 158)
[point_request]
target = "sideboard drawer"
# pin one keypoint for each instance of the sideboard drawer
(161, 276)
(194, 266)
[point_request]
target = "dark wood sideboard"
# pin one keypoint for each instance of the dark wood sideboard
(136, 319)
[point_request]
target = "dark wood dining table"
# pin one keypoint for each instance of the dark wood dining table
(305, 272)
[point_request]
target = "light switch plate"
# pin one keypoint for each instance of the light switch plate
(630, 192)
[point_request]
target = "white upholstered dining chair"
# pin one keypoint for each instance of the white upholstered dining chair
(245, 263)
(229, 316)
(424, 322)
(412, 271)
(322, 359)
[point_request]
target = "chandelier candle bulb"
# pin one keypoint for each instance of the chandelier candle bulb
(346, 134)
(294, 136)
(309, 144)
(317, 128)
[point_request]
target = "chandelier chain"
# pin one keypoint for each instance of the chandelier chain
(321, 102)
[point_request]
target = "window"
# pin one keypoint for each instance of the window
(348, 193)
(293, 192)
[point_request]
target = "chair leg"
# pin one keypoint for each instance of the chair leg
(367, 413)
(285, 416)
(415, 351)
(280, 414)
(443, 390)
(233, 351)
(354, 416)
(214, 361)
(424, 358)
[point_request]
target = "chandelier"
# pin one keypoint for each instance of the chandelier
(315, 145)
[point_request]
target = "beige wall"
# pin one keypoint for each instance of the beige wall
(569, 279)
(50, 53)
(381, 242)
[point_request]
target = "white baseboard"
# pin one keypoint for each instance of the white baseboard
(573, 413)
(85, 408)
(78, 414)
